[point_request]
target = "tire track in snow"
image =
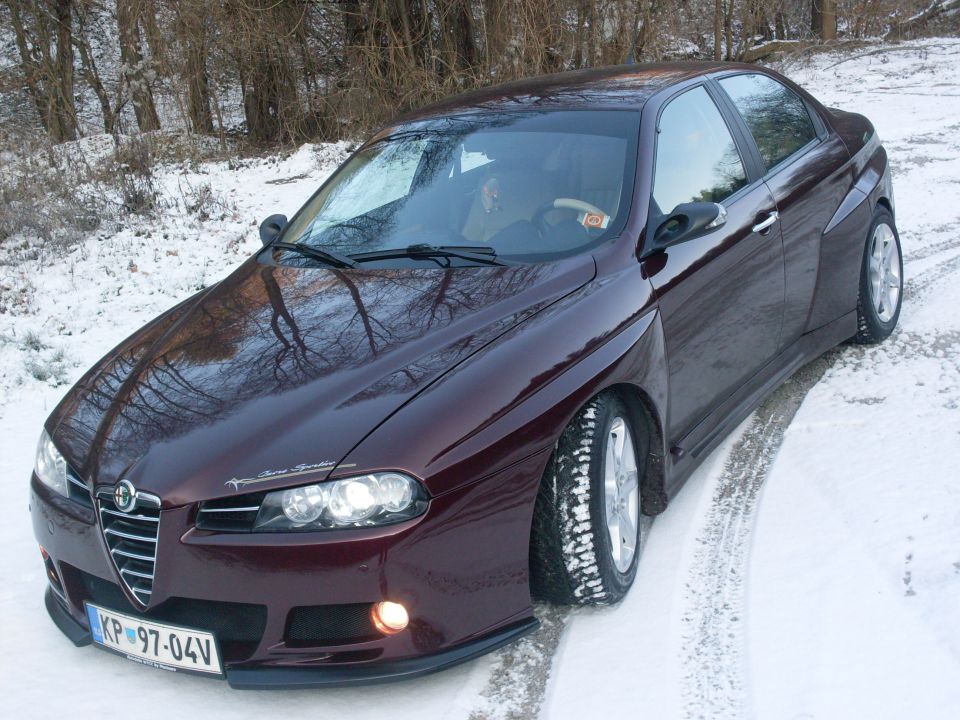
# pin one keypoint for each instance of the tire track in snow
(714, 681)
(518, 680)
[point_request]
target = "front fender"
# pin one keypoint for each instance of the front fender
(512, 399)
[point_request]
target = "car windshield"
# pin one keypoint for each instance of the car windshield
(529, 186)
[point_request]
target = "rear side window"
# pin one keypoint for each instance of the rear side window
(775, 115)
(697, 160)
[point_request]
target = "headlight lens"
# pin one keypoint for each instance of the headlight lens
(362, 501)
(50, 466)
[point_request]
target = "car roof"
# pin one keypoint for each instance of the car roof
(617, 87)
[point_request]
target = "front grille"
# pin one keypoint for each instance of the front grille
(232, 514)
(329, 625)
(132, 539)
(238, 627)
(77, 489)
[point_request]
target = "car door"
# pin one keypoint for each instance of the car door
(803, 166)
(720, 294)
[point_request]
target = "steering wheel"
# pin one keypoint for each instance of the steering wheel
(539, 217)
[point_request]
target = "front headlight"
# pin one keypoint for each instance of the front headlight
(50, 466)
(362, 501)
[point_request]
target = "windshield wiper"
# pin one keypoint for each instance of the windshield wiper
(325, 256)
(480, 254)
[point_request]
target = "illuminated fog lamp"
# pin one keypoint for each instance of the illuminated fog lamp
(389, 617)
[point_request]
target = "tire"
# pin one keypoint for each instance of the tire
(878, 301)
(572, 560)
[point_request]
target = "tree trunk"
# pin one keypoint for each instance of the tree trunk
(193, 37)
(62, 97)
(717, 29)
(463, 34)
(47, 65)
(823, 19)
(134, 77)
(32, 71)
(728, 29)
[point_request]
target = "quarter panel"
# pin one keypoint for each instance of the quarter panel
(842, 245)
(808, 193)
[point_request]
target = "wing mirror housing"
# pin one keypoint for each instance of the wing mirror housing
(688, 221)
(271, 227)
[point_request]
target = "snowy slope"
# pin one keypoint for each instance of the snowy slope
(854, 602)
(810, 568)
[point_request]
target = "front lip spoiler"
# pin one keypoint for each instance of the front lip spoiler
(318, 677)
(75, 632)
(267, 678)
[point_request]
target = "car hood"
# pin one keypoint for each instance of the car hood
(272, 376)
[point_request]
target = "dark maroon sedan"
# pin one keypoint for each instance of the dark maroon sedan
(465, 374)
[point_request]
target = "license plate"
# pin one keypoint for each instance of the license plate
(167, 647)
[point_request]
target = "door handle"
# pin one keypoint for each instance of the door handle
(767, 223)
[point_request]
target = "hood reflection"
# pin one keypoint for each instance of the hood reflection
(256, 358)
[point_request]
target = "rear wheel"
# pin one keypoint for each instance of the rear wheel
(588, 526)
(881, 281)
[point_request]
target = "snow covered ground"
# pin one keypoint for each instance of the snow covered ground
(809, 569)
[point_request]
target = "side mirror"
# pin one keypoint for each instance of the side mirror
(271, 227)
(688, 221)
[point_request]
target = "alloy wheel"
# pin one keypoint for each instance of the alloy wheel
(621, 494)
(885, 281)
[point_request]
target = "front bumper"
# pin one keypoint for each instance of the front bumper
(460, 569)
(333, 676)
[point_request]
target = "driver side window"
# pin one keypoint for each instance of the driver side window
(697, 159)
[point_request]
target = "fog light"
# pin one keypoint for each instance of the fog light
(52, 574)
(389, 617)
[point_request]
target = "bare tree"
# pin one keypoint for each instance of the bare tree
(136, 75)
(823, 19)
(43, 30)
(192, 32)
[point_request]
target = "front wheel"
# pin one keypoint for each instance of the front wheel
(881, 281)
(587, 525)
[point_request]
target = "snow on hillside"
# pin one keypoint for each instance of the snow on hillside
(810, 568)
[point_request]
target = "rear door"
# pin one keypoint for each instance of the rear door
(721, 294)
(802, 165)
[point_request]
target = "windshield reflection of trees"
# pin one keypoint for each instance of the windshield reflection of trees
(272, 331)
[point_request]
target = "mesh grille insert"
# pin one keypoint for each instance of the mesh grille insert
(329, 625)
(238, 627)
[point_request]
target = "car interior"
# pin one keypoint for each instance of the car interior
(523, 194)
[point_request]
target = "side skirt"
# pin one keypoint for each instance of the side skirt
(687, 454)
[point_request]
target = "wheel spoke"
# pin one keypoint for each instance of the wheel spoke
(628, 536)
(890, 301)
(629, 485)
(889, 249)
